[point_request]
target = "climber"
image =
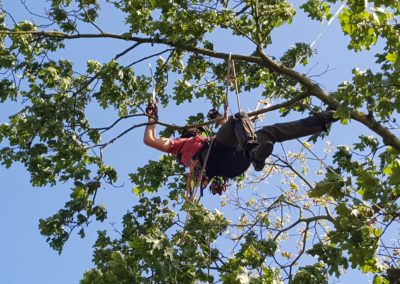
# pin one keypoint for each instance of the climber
(236, 144)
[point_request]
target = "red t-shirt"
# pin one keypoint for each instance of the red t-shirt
(188, 147)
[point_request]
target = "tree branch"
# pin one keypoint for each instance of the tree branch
(250, 114)
(388, 137)
(301, 220)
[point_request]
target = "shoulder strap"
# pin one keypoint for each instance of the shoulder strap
(179, 154)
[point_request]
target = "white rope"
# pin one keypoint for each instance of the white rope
(231, 75)
(323, 30)
(327, 25)
(227, 80)
(311, 46)
(202, 172)
(236, 86)
(154, 85)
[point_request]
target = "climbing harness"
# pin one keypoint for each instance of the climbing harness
(218, 185)
(196, 178)
(196, 173)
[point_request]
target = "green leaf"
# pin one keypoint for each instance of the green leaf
(395, 176)
(392, 57)
(136, 190)
(380, 280)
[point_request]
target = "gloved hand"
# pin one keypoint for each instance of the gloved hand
(152, 109)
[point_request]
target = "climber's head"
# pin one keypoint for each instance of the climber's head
(192, 132)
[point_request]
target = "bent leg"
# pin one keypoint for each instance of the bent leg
(237, 131)
(280, 132)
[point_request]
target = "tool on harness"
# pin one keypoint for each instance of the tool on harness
(218, 185)
(195, 178)
(196, 175)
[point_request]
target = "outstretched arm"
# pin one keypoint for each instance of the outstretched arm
(150, 138)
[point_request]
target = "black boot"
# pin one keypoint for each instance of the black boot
(259, 153)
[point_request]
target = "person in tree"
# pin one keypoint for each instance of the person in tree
(236, 145)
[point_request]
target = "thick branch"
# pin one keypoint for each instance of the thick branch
(388, 137)
(125, 37)
(250, 114)
(302, 220)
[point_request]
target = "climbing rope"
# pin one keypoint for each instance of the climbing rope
(300, 59)
(192, 192)
(236, 86)
(199, 178)
(153, 96)
(323, 30)
(231, 76)
(228, 81)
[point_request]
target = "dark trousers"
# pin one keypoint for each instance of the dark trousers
(280, 132)
(238, 131)
(229, 156)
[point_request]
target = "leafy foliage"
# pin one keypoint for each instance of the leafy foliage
(343, 220)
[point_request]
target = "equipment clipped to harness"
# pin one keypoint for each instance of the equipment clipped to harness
(218, 185)
(196, 177)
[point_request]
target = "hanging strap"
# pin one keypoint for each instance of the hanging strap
(231, 75)
(236, 86)
(153, 95)
(196, 176)
(228, 81)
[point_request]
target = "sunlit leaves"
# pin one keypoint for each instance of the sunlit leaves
(156, 174)
(312, 274)
(66, 13)
(53, 136)
(145, 247)
(357, 236)
(393, 170)
(330, 255)
(299, 53)
(364, 27)
(8, 90)
(317, 9)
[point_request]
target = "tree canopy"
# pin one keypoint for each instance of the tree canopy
(346, 217)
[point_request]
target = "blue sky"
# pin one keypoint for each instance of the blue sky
(26, 257)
